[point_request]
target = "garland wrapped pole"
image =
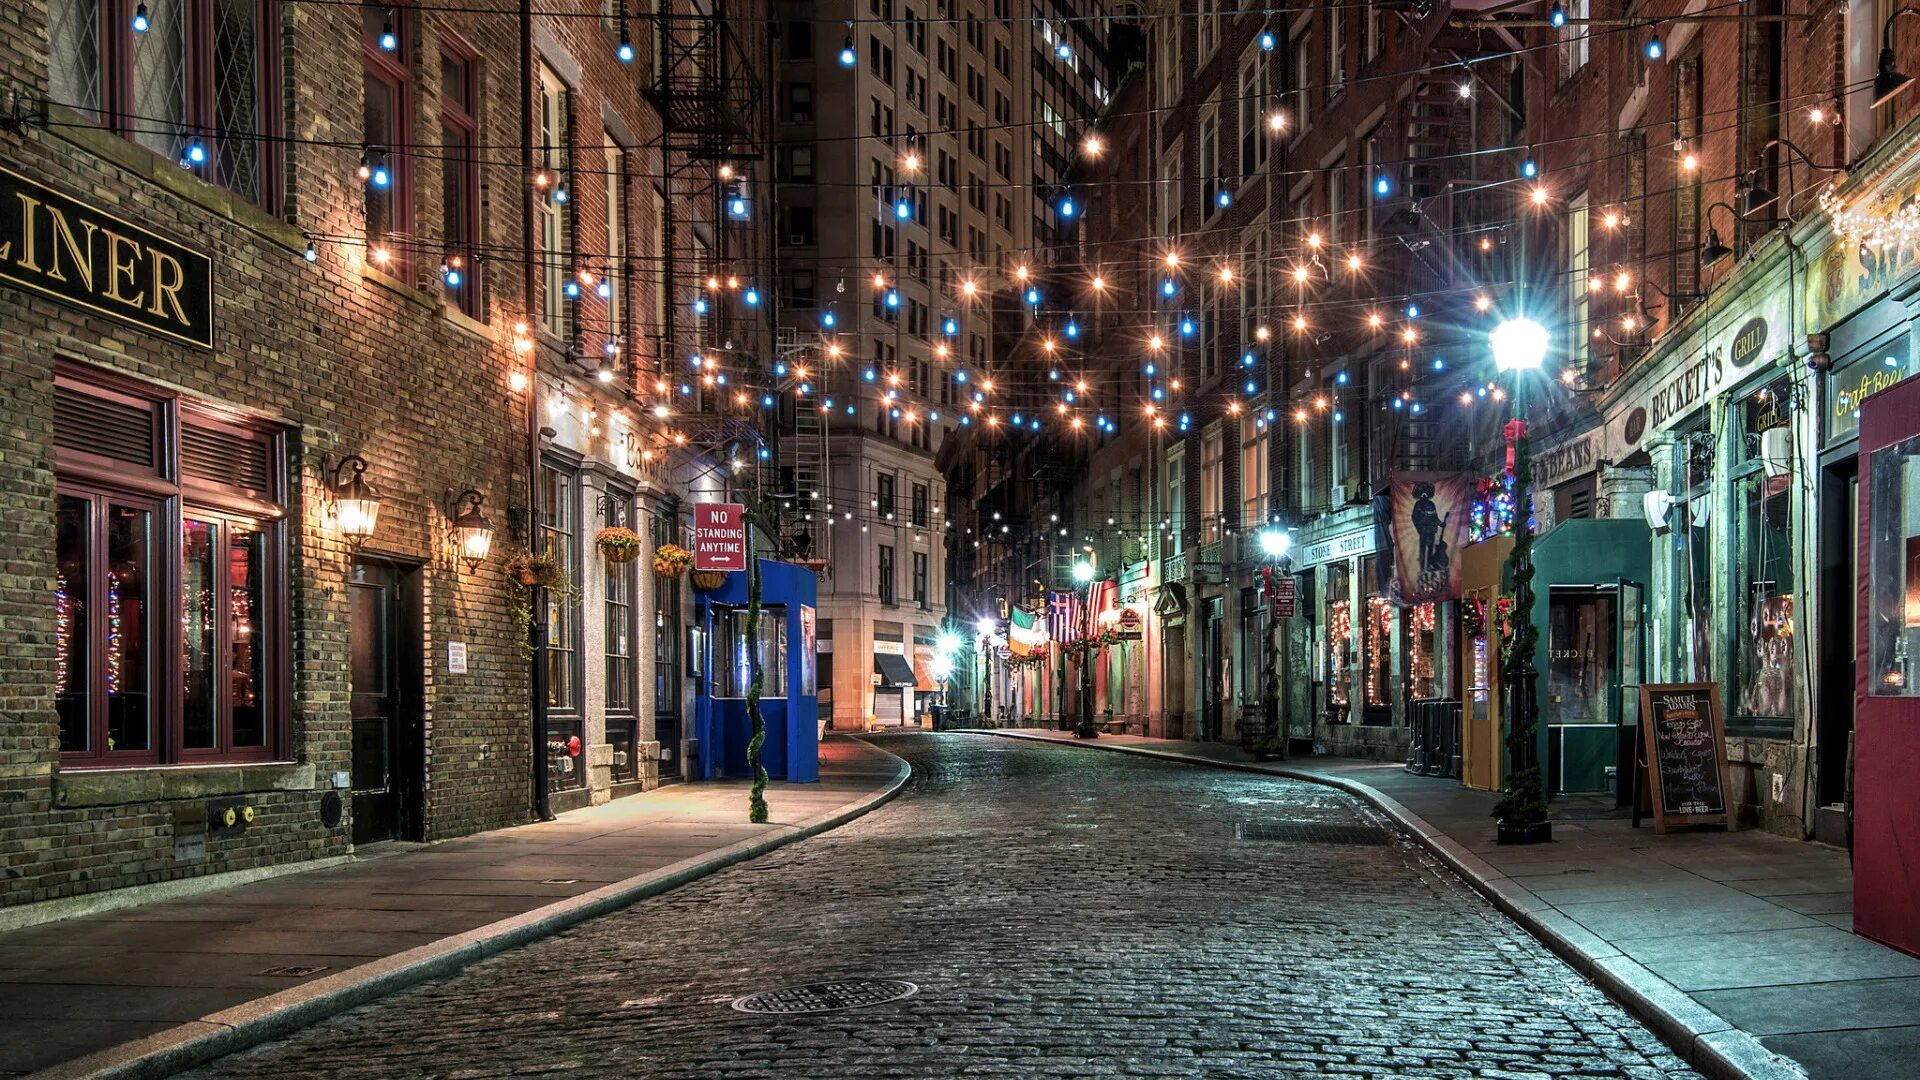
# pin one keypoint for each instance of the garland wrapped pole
(757, 800)
(1522, 809)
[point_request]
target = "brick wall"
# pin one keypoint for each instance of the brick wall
(355, 361)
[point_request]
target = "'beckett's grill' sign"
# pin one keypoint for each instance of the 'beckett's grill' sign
(87, 257)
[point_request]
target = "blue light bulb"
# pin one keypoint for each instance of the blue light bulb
(828, 319)
(1267, 41)
(1529, 168)
(753, 297)
(572, 289)
(625, 51)
(560, 194)
(869, 374)
(903, 209)
(604, 289)
(1187, 327)
(311, 255)
(1224, 198)
(893, 298)
(1341, 378)
(1382, 186)
(1246, 360)
(847, 56)
(452, 277)
(1063, 50)
(700, 305)
(1655, 48)
(381, 177)
(1168, 288)
(389, 41)
(195, 153)
(959, 376)
(1557, 15)
(141, 24)
(1073, 329)
(1066, 207)
(1033, 296)
(951, 327)
(1413, 311)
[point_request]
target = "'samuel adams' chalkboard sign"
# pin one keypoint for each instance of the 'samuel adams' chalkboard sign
(1685, 747)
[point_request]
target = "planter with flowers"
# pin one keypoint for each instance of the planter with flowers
(671, 560)
(618, 544)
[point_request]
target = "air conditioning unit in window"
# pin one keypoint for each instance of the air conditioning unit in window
(1339, 494)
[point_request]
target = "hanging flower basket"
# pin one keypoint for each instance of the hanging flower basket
(543, 570)
(617, 544)
(671, 560)
(709, 580)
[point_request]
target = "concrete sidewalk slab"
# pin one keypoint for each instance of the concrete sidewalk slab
(147, 990)
(1735, 947)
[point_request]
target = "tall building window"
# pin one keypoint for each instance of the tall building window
(1578, 270)
(132, 684)
(1574, 44)
(203, 76)
(1336, 48)
(552, 238)
(1303, 83)
(1253, 476)
(386, 129)
(1253, 140)
(1176, 515)
(1210, 178)
(920, 579)
(1212, 483)
(920, 505)
(886, 574)
(622, 582)
(460, 173)
(883, 496)
(666, 624)
(616, 270)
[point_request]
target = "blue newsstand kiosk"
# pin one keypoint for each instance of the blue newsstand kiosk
(788, 599)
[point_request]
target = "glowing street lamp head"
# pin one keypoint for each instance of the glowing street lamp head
(1083, 572)
(1519, 345)
(1275, 543)
(986, 626)
(949, 642)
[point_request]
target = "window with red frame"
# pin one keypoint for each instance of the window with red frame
(169, 595)
(460, 173)
(198, 85)
(387, 127)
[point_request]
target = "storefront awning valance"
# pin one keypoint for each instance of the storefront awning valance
(893, 670)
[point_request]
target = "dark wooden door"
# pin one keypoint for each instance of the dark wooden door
(388, 751)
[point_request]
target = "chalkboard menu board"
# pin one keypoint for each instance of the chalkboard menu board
(1686, 754)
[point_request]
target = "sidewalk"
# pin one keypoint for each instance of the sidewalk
(1735, 947)
(151, 989)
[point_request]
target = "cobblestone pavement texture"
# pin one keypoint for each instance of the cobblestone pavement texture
(1063, 914)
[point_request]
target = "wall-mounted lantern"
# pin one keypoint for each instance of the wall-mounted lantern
(356, 504)
(471, 529)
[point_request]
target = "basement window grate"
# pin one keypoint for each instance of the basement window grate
(1309, 832)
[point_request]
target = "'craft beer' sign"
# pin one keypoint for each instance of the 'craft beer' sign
(719, 536)
(86, 257)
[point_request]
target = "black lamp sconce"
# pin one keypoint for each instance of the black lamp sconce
(352, 498)
(468, 524)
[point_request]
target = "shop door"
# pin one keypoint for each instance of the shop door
(1886, 738)
(1839, 620)
(389, 756)
(1212, 654)
(1583, 689)
(887, 710)
(1629, 649)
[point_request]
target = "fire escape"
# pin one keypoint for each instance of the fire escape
(706, 85)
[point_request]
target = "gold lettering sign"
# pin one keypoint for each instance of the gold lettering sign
(84, 256)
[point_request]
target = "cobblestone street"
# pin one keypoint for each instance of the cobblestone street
(1063, 913)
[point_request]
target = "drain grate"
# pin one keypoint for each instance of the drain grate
(293, 971)
(824, 997)
(1309, 832)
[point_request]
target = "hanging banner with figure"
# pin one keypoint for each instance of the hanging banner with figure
(1426, 524)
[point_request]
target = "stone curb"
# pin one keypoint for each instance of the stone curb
(1701, 1038)
(251, 1023)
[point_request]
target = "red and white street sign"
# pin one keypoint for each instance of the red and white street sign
(719, 536)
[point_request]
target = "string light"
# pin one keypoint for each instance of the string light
(141, 24)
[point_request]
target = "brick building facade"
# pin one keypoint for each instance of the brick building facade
(374, 299)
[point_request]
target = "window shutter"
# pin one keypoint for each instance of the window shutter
(227, 458)
(103, 427)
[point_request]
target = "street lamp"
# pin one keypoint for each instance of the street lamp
(1274, 544)
(1083, 575)
(986, 626)
(1520, 346)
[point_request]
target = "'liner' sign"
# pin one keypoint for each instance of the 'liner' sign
(73, 252)
(719, 536)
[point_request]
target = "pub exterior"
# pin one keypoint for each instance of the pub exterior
(275, 427)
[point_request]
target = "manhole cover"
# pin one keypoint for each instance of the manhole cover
(293, 971)
(824, 997)
(1309, 832)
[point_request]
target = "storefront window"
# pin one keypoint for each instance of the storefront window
(1764, 641)
(1580, 656)
(1893, 616)
(132, 595)
(1376, 641)
(736, 662)
(1253, 668)
(1340, 634)
(1476, 613)
(1423, 638)
(666, 621)
(559, 524)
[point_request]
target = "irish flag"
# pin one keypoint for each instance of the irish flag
(1025, 634)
